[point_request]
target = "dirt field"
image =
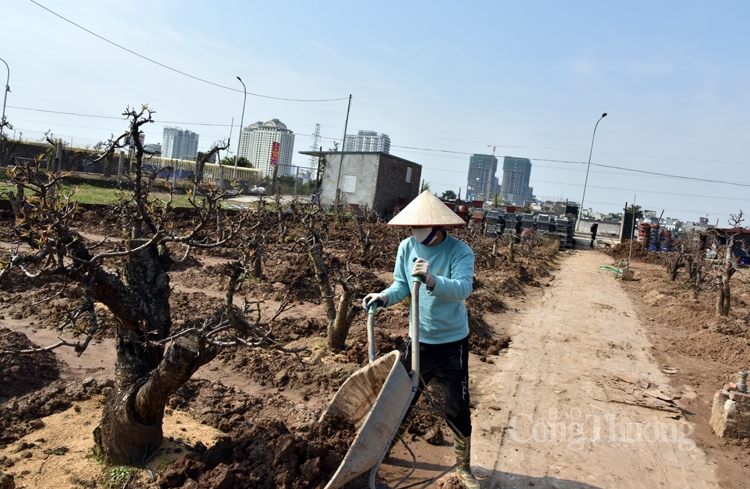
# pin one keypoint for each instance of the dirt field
(577, 380)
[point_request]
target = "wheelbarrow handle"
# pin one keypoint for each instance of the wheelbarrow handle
(371, 311)
(414, 330)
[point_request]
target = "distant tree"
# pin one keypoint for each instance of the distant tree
(242, 163)
(7, 146)
(638, 211)
(425, 186)
(285, 184)
(726, 266)
(448, 195)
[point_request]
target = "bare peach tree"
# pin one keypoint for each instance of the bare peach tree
(339, 317)
(130, 276)
(722, 265)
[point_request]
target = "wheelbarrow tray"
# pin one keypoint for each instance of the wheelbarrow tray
(373, 399)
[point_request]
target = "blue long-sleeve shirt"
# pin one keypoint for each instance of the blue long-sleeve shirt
(442, 312)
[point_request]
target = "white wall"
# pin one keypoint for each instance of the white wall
(605, 228)
(357, 179)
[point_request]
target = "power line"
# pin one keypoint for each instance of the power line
(117, 118)
(641, 191)
(176, 70)
(414, 148)
(736, 184)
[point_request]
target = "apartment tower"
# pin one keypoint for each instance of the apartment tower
(256, 144)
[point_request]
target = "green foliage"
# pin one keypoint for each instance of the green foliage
(425, 186)
(448, 195)
(242, 163)
(286, 180)
(115, 477)
(638, 211)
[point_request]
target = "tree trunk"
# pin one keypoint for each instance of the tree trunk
(723, 303)
(256, 262)
(321, 275)
(338, 329)
(145, 377)
(674, 267)
(723, 300)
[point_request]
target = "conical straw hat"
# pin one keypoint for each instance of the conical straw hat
(426, 210)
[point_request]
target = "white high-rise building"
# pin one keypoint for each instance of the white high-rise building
(368, 142)
(256, 144)
(178, 144)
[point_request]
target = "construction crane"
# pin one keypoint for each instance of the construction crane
(314, 160)
(315, 145)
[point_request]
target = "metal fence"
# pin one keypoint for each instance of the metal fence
(85, 166)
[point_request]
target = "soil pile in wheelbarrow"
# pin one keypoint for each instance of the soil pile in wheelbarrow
(262, 448)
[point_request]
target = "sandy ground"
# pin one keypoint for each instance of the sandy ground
(542, 414)
(555, 426)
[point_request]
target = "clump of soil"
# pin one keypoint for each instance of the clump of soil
(22, 373)
(227, 408)
(265, 454)
(263, 447)
(451, 482)
(21, 415)
(622, 251)
(286, 372)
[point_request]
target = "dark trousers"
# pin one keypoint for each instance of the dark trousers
(593, 239)
(448, 363)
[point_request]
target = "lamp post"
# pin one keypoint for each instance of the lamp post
(239, 136)
(7, 89)
(580, 210)
(492, 165)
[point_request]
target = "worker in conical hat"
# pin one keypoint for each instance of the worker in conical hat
(446, 266)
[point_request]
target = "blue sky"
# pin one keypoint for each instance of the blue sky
(531, 77)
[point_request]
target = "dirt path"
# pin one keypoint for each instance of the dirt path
(543, 418)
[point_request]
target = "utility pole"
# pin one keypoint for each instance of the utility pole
(119, 168)
(341, 156)
(239, 138)
(5, 95)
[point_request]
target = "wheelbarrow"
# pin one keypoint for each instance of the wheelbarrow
(375, 400)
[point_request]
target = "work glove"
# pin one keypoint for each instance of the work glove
(380, 300)
(422, 269)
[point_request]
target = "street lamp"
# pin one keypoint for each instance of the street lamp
(492, 166)
(239, 136)
(7, 89)
(580, 210)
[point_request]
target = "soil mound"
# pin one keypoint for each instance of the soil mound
(21, 415)
(23, 373)
(264, 446)
(621, 251)
(264, 455)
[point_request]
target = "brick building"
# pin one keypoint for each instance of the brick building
(379, 181)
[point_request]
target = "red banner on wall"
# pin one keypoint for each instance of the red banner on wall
(275, 153)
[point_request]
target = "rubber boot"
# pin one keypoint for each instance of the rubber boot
(401, 432)
(463, 458)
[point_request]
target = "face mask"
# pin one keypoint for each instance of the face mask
(425, 236)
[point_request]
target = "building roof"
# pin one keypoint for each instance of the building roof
(321, 154)
(272, 124)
